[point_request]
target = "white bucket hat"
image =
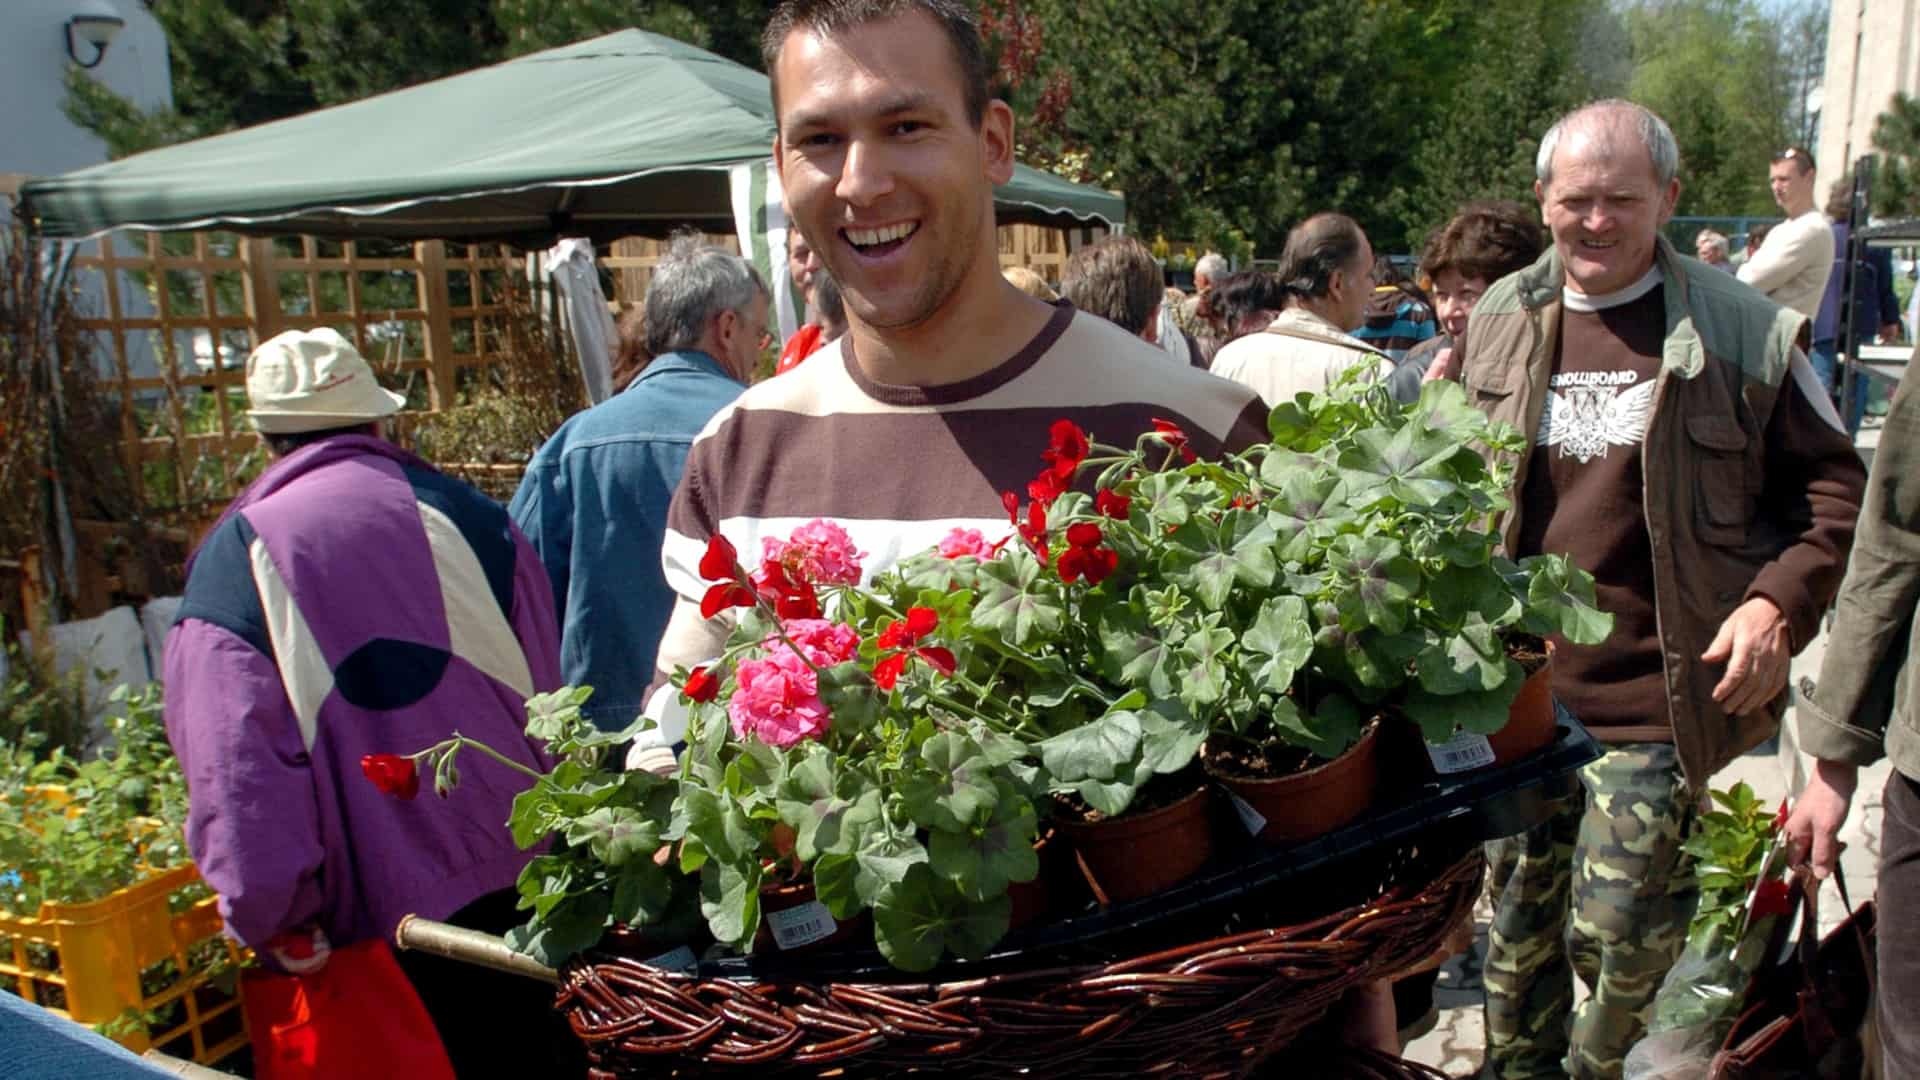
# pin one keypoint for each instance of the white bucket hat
(311, 380)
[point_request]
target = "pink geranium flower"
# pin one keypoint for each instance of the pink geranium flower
(777, 700)
(817, 553)
(961, 542)
(825, 643)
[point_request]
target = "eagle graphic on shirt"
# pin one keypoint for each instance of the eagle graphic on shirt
(1587, 412)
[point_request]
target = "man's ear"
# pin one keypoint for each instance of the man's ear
(996, 141)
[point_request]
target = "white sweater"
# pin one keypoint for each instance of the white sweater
(1793, 262)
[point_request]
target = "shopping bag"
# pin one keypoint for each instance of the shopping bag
(356, 1017)
(1804, 1014)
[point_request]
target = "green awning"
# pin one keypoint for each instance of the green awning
(630, 133)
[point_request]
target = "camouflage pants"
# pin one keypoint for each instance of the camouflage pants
(1601, 889)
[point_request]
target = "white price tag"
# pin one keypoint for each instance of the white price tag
(1249, 817)
(803, 925)
(1459, 754)
(676, 960)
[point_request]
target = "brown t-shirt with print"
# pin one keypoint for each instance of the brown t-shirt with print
(1583, 497)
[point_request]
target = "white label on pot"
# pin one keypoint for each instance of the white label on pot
(1462, 752)
(675, 960)
(1248, 815)
(803, 925)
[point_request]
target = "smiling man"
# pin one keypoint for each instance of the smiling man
(939, 397)
(1682, 451)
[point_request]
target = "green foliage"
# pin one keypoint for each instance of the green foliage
(1733, 849)
(76, 829)
(236, 63)
(1896, 137)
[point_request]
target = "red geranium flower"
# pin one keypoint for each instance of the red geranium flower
(724, 595)
(1047, 487)
(1034, 532)
(1084, 557)
(903, 636)
(701, 685)
(1110, 503)
(392, 774)
(1067, 447)
(1012, 502)
(791, 597)
(1175, 438)
(721, 562)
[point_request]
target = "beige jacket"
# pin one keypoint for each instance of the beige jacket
(1792, 265)
(1299, 353)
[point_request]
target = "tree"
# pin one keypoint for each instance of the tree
(242, 62)
(1896, 135)
(1714, 70)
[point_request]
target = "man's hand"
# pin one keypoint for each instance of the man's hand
(1814, 825)
(1753, 643)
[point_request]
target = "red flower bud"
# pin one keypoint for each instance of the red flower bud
(724, 595)
(392, 774)
(701, 685)
(1012, 502)
(1110, 503)
(721, 562)
(1175, 437)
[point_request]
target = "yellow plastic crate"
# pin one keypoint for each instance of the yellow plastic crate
(94, 956)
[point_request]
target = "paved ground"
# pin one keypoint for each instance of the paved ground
(1457, 1043)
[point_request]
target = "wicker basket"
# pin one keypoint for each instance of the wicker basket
(1229, 1001)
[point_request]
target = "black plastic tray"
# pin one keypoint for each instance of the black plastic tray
(1454, 812)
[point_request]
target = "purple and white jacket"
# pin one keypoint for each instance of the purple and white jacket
(354, 600)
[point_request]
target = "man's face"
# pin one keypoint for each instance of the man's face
(1202, 283)
(882, 169)
(1354, 287)
(801, 261)
(743, 336)
(1454, 295)
(1791, 186)
(1604, 207)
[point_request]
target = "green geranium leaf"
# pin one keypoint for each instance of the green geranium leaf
(1282, 637)
(1098, 749)
(1202, 664)
(1478, 591)
(1133, 653)
(1471, 660)
(850, 696)
(1112, 797)
(552, 717)
(533, 815)
(722, 830)
(955, 787)
(922, 917)
(557, 935)
(1170, 736)
(1560, 598)
(642, 894)
(1483, 712)
(615, 834)
(1409, 465)
(1333, 727)
(730, 901)
(1015, 604)
(982, 861)
(1377, 582)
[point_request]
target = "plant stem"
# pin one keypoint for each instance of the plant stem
(459, 741)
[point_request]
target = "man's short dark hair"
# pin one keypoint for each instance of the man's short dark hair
(1486, 240)
(1315, 249)
(1116, 279)
(829, 17)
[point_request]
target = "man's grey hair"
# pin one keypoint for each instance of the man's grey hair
(1212, 266)
(692, 283)
(1654, 134)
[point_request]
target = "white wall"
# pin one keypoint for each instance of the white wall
(36, 138)
(1873, 50)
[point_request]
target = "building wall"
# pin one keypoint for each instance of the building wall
(1873, 51)
(36, 138)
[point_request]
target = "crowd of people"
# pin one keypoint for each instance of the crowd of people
(1681, 446)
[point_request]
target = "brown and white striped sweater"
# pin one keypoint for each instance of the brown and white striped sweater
(900, 466)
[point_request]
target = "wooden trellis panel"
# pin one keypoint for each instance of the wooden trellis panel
(198, 303)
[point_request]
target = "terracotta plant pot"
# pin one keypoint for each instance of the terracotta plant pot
(794, 909)
(1136, 855)
(1311, 803)
(1032, 901)
(1531, 723)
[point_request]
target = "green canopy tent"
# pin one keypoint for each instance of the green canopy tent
(626, 134)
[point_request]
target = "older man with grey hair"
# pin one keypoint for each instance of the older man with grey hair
(594, 499)
(1680, 449)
